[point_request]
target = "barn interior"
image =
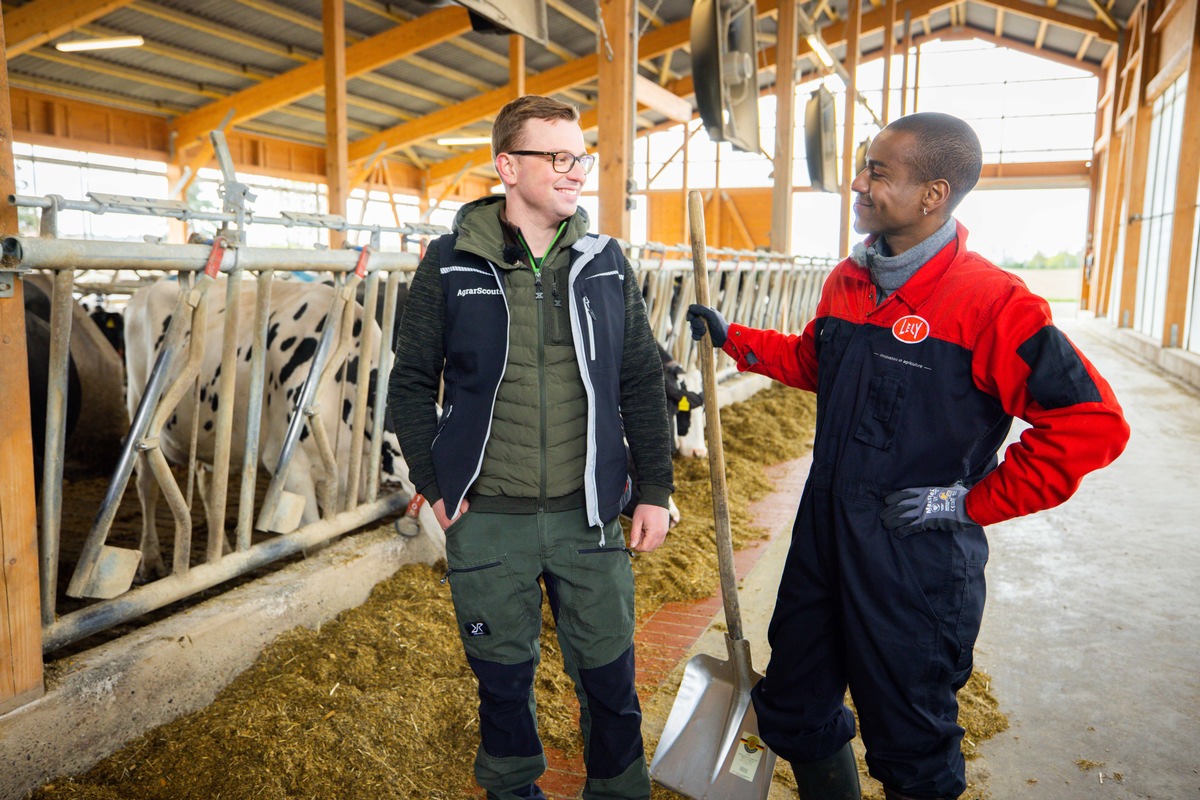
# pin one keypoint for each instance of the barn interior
(348, 123)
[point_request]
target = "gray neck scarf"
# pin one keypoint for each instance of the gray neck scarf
(889, 272)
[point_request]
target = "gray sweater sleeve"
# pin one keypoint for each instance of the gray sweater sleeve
(644, 400)
(417, 371)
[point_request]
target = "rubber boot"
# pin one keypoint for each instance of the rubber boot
(833, 778)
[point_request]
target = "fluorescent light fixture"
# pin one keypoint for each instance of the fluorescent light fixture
(821, 49)
(464, 140)
(100, 44)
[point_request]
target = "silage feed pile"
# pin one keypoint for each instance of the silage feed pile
(379, 704)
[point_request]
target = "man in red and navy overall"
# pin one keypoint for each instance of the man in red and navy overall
(921, 353)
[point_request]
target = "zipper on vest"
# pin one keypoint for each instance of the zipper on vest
(543, 394)
(591, 317)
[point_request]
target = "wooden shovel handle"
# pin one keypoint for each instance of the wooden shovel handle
(712, 428)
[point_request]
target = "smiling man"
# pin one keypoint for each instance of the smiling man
(921, 353)
(539, 332)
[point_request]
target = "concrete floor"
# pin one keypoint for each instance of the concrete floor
(1090, 631)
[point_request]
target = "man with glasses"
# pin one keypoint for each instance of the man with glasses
(539, 332)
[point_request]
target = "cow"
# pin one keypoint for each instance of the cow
(95, 394)
(37, 350)
(685, 406)
(298, 314)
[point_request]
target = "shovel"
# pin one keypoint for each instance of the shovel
(710, 748)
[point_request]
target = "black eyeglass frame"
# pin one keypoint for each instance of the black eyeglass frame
(587, 160)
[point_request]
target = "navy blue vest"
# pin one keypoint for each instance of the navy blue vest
(476, 351)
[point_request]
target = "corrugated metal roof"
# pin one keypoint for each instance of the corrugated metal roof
(199, 51)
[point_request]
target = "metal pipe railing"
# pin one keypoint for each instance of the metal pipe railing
(768, 290)
(178, 209)
(141, 600)
(36, 253)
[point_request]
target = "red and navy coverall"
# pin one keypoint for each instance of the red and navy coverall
(919, 390)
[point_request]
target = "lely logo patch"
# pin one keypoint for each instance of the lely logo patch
(910, 329)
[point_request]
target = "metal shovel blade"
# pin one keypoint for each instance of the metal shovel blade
(710, 748)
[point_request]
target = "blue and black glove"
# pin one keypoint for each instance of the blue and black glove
(923, 508)
(701, 318)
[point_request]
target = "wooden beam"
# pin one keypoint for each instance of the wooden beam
(617, 66)
(333, 15)
(426, 31)
(1083, 46)
(785, 126)
(473, 109)
(1103, 15)
(20, 600)
(516, 65)
(906, 46)
(1040, 174)
(854, 37)
(1187, 183)
(1136, 166)
(664, 101)
(552, 81)
(1082, 24)
(578, 17)
(889, 48)
(36, 23)
(968, 34)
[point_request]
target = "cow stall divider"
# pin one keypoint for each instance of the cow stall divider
(762, 289)
(105, 572)
(756, 288)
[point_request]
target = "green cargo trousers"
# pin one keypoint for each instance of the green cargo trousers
(495, 562)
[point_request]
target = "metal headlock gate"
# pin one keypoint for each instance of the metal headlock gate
(752, 287)
(761, 289)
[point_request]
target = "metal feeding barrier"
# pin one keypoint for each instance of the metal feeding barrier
(105, 572)
(756, 288)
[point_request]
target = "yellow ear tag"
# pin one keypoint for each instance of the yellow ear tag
(684, 405)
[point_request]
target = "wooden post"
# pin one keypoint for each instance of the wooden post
(904, 66)
(889, 48)
(516, 65)
(20, 604)
(853, 34)
(785, 126)
(1137, 161)
(1186, 186)
(333, 13)
(617, 57)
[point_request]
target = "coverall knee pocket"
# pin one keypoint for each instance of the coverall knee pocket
(493, 619)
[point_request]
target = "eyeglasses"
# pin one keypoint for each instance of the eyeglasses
(562, 160)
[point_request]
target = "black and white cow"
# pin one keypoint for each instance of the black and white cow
(298, 315)
(96, 418)
(37, 350)
(685, 406)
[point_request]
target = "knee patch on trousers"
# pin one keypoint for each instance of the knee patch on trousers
(616, 731)
(507, 723)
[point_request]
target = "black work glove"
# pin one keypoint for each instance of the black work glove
(923, 508)
(701, 317)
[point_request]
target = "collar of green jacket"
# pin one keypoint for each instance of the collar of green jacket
(483, 229)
